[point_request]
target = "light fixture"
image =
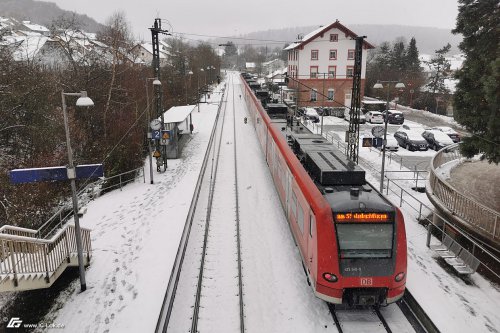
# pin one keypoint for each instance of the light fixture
(84, 100)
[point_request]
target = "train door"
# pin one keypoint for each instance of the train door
(310, 239)
(288, 190)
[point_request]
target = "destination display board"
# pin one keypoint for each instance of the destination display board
(362, 217)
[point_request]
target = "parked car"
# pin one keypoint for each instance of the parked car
(449, 131)
(394, 117)
(437, 139)
(312, 115)
(374, 117)
(410, 139)
(412, 127)
(392, 143)
(347, 116)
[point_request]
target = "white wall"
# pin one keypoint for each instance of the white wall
(323, 45)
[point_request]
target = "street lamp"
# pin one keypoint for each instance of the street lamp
(199, 93)
(82, 101)
(185, 83)
(378, 85)
(156, 82)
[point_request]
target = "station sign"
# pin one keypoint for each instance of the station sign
(32, 175)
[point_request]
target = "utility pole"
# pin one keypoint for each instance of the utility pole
(155, 31)
(353, 134)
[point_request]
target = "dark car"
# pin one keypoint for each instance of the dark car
(411, 140)
(394, 117)
(437, 139)
(449, 131)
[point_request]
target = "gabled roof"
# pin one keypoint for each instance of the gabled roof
(321, 30)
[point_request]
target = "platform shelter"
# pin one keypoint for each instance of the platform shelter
(179, 121)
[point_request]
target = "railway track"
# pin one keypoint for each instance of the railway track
(407, 316)
(210, 243)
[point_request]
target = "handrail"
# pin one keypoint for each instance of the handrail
(465, 207)
(63, 215)
(27, 255)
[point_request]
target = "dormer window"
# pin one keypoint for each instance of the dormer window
(334, 37)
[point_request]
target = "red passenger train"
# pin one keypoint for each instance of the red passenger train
(352, 240)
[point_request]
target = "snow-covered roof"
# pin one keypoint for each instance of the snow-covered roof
(35, 27)
(29, 47)
(177, 114)
(250, 65)
(149, 48)
(315, 33)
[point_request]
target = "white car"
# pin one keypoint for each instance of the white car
(312, 115)
(392, 143)
(347, 116)
(414, 127)
(374, 117)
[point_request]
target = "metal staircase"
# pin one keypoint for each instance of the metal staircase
(28, 262)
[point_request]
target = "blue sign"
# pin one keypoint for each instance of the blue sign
(89, 171)
(156, 135)
(377, 142)
(20, 176)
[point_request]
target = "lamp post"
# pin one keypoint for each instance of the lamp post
(199, 92)
(378, 85)
(156, 82)
(82, 101)
(185, 83)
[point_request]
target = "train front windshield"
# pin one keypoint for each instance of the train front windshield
(365, 240)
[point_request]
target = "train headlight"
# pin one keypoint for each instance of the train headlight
(399, 277)
(330, 277)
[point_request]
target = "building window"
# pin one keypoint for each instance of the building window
(334, 38)
(332, 71)
(314, 95)
(314, 72)
(333, 54)
(350, 55)
(314, 54)
(331, 94)
(348, 96)
(349, 71)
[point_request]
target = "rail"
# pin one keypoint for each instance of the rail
(464, 207)
(168, 300)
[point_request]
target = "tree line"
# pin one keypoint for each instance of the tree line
(113, 132)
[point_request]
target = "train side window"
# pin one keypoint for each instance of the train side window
(300, 218)
(294, 205)
(312, 221)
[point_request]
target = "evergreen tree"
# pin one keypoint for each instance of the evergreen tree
(440, 67)
(411, 56)
(398, 59)
(477, 98)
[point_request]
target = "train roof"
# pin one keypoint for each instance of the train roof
(341, 182)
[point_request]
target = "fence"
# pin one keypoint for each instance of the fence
(464, 207)
(89, 192)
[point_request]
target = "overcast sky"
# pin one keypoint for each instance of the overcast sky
(233, 17)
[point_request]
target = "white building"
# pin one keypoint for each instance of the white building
(323, 61)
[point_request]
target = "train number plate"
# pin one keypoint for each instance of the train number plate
(366, 281)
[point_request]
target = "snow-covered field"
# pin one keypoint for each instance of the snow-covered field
(135, 234)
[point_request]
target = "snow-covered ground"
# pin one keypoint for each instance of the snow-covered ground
(135, 234)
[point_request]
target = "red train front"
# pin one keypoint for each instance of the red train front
(351, 238)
